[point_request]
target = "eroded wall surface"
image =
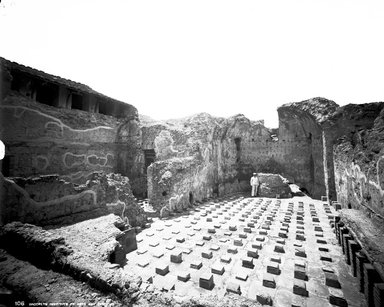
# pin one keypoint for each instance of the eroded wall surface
(50, 200)
(202, 156)
(359, 158)
(41, 139)
(305, 159)
(57, 135)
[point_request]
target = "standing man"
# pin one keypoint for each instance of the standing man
(254, 184)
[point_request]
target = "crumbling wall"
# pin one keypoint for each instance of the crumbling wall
(359, 157)
(49, 200)
(309, 150)
(41, 139)
(201, 156)
(52, 125)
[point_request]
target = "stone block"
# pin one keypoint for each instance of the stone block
(232, 250)
(299, 288)
(243, 236)
(233, 287)
(247, 262)
(276, 259)
(162, 269)
(253, 253)
(300, 252)
(238, 242)
(269, 281)
(247, 230)
(264, 299)
(186, 251)
(217, 268)
(353, 248)
(300, 237)
(207, 238)
(241, 275)
(360, 260)
(336, 297)
(260, 238)
(158, 254)
(280, 241)
(214, 247)
(370, 278)
(142, 263)
(141, 251)
(331, 280)
(176, 257)
(200, 243)
(180, 239)
(211, 230)
(207, 254)
(279, 249)
(378, 294)
(206, 281)
(256, 245)
(325, 257)
(225, 259)
(196, 264)
(183, 276)
(273, 268)
(300, 272)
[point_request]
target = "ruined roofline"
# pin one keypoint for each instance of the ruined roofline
(318, 107)
(76, 86)
(146, 120)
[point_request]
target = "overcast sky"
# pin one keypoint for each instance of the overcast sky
(176, 58)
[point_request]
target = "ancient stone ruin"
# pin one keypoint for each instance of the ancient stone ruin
(101, 205)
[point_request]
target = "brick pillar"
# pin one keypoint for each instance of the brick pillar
(371, 277)
(353, 247)
(378, 294)
(346, 238)
(338, 226)
(343, 232)
(361, 258)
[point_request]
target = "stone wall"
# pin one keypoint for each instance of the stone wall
(51, 125)
(49, 200)
(202, 156)
(359, 156)
(300, 125)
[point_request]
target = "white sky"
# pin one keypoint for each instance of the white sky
(176, 58)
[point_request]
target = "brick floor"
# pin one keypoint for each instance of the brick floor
(296, 258)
